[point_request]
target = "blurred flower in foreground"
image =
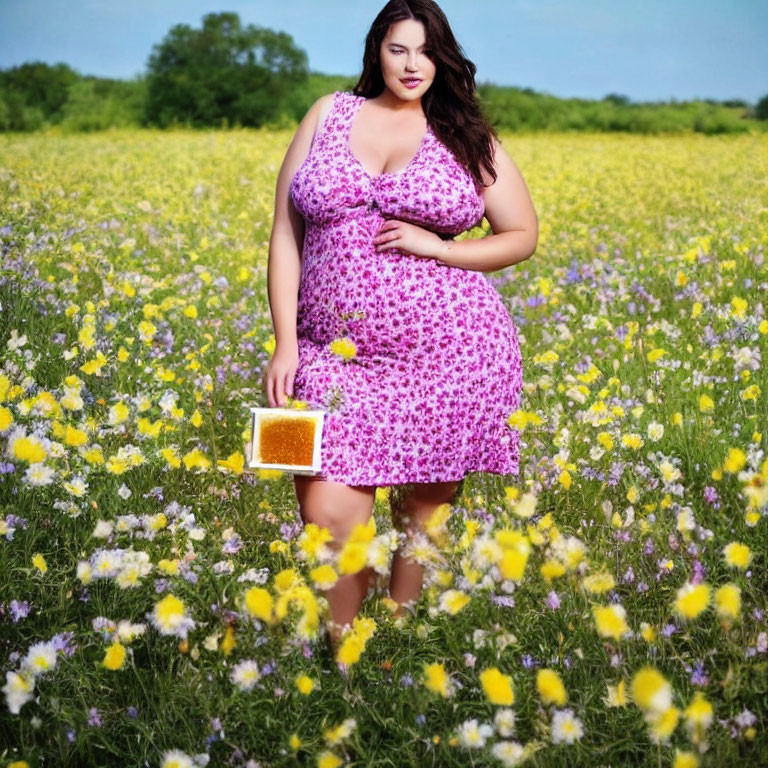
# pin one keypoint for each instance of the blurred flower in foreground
(566, 727)
(169, 617)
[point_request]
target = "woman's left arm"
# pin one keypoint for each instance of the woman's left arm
(509, 211)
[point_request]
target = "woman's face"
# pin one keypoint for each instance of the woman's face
(404, 57)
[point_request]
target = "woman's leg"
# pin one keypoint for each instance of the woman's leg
(339, 508)
(411, 507)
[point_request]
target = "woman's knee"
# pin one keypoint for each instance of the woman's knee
(335, 506)
(413, 503)
(433, 494)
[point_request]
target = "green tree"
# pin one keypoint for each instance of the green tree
(222, 73)
(39, 85)
(761, 108)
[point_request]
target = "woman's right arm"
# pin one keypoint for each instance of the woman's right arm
(284, 263)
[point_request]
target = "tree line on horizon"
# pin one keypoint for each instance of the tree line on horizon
(226, 75)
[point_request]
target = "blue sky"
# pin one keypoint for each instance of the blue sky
(644, 49)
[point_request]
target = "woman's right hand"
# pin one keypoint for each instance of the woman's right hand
(280, 373)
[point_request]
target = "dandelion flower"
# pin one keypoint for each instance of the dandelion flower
(38, 561)
(735, 460)
(327, 759)
(324, 577)
(343, 730)
(312, 542)
(663, 723)
(598, 583)
(550, 687)
(452, 601)
(259, 603)
(354, 642)
(497, 686)
(728, 601)
(684, 759)
(692, 600)
(305, 684)
(353, 557)
(651, 691)
(26, 448)
(737, 555)
(344, 347)
(114, 656)
(437, 679)
(610, 620)
(698, 717)
(617, 695)
(551, 569)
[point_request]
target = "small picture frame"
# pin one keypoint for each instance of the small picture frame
(288, 439)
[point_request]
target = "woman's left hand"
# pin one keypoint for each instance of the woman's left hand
(410, 238)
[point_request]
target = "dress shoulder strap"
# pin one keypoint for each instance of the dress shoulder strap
(333, 122)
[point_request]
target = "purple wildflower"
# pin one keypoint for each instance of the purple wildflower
(699, 676)
(232, 545)
(19, 610)
(93, 717)
(553, 601)
(648, 549)
(669, 630)
(289, 530)
(64, 642)
(699, 573)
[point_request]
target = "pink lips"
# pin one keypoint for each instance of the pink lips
(410, 83)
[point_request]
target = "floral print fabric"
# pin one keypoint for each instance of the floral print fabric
(436, 367)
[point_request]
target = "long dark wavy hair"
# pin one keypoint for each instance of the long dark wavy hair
(450, 105)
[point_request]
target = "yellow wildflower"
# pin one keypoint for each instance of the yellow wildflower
(305, 684)
(114, 656)
(344, 348)
(497, 686)
(692, 600)
(550, 687)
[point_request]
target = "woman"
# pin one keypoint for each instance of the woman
(426, 367)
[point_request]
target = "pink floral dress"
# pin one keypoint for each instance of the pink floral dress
(436, 369)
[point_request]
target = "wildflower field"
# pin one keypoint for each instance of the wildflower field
(160, 606)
